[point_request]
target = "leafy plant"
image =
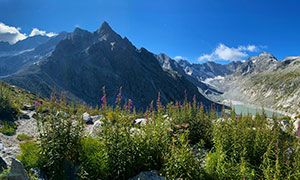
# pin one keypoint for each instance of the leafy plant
(24, 137)
(30, 154)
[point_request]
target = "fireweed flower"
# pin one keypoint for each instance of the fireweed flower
(130, 104)
(147, 116)
(119, 98)
(276, 144)
(298, 130)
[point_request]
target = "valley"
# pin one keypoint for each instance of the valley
(94, 105)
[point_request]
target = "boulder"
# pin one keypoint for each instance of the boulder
(17, 171)
(141, 121)
(38, 173)
(97, 117)
(86, 117)
(27, 107)
(96, 129)
(2, 163)
(296, 124)
(148, 175)
(284, 125)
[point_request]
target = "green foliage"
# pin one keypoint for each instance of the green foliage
(94, 160)
(246, 148)
(24, 137)
(29, 156)
(60, 133)
(8, 128)
(8, 109)
(4, 175)
(239, 147)
(181, 162)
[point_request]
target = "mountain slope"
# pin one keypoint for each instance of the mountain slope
(208, 69)
(7, 49)
(171, 65)
(262, 80)
(84, 62)
(37, 49)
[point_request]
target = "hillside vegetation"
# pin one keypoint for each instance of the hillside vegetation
(180, 141)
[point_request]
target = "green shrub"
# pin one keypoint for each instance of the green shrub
(94, 160)
(60, 133)
(8, 109)
(181, 162)
(4, 175)
(29, 155)
(24, 137)
(8, 128)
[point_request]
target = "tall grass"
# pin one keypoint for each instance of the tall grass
(179, 140)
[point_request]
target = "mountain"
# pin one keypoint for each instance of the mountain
(209, 69)
(84, 62)
(263, 80)
(169, 64)
(27, 52)
(257, 64)
(7, 49)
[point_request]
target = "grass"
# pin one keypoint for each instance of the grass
(231, 147)
(24, 137)
(8, 128)
(179, 140)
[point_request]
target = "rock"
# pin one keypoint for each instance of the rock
(38, 173)
(86, 117)
(2, 163)
(148, 175)
(17, 171)
(25, 116)
(284, 125)
(34, 115)
(8, 153)
(141, 121)
(96, 129)
(94, 118)
(296, 124)
(27, 107)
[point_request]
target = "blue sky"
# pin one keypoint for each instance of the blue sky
(195, 29)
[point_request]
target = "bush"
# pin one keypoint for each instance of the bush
(181, 162)
(8, 109)
(24, 137)
(8, 128)
(246, 148)
(60, 134)
(94, 160)
(29, 155)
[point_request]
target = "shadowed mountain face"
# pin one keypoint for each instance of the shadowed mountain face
(26, 44)
(27, 52)
(84, 62)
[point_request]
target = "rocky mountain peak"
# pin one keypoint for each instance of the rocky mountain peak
(266, 55)
(106, 33)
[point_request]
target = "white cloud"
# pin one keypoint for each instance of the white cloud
(10, 34)
(36, 31)
(180, 58)
(225, 53)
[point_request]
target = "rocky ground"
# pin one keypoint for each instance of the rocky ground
(9, 145)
